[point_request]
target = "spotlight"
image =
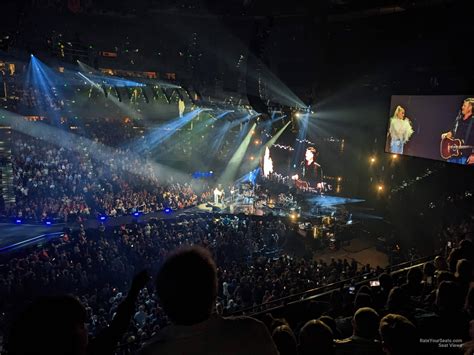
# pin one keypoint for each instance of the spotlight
(102, 218)
(48, 222)
(380, 187)
(294, 215)
(372, 160)
(297, 115)
(136, 214)
(168, 210)
(19, 220)
(394, 156)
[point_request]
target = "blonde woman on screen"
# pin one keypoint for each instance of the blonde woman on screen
(400, 130)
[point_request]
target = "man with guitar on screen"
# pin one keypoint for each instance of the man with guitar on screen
(457, 145)
(311, 172)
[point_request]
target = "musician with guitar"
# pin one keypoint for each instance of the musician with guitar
(457, 145)
(311, 172)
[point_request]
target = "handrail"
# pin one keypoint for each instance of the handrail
(283, 301)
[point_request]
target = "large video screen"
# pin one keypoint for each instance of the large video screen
(434, 127)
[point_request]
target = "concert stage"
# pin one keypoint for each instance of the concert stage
(308, 204)
(328, 226)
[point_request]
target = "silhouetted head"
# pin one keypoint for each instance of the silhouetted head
(399, 335)
(50, 326)
(187, 285)
(316, 336)
(449, 297)
(366, 323)
(285, 340)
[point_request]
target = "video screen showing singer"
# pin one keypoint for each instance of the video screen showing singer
(310, 171)
(457, 145)
(310, 167)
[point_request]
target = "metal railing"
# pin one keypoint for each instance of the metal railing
(313, 293)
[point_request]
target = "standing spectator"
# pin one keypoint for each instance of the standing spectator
(140, 317)
(187, 289)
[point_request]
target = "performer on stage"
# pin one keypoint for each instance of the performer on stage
(400, 131)
(218, 195)
(311, 171)
(181, 107)
(462, 130)
(267, 163)
(233, 192)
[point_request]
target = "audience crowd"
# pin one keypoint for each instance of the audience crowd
(56, 183)
(96, 265)
(428, 310)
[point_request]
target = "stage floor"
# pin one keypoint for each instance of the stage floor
(313, 205)
(330, 200)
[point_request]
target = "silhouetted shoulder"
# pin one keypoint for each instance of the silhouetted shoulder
(217, 335)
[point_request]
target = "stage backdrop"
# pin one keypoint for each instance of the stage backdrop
(430, 116)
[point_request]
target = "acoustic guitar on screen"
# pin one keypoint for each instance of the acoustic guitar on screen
(452, 147)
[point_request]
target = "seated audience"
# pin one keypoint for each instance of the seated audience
(381, 295)
(449, 321)
(399, 335)
(413, 286)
